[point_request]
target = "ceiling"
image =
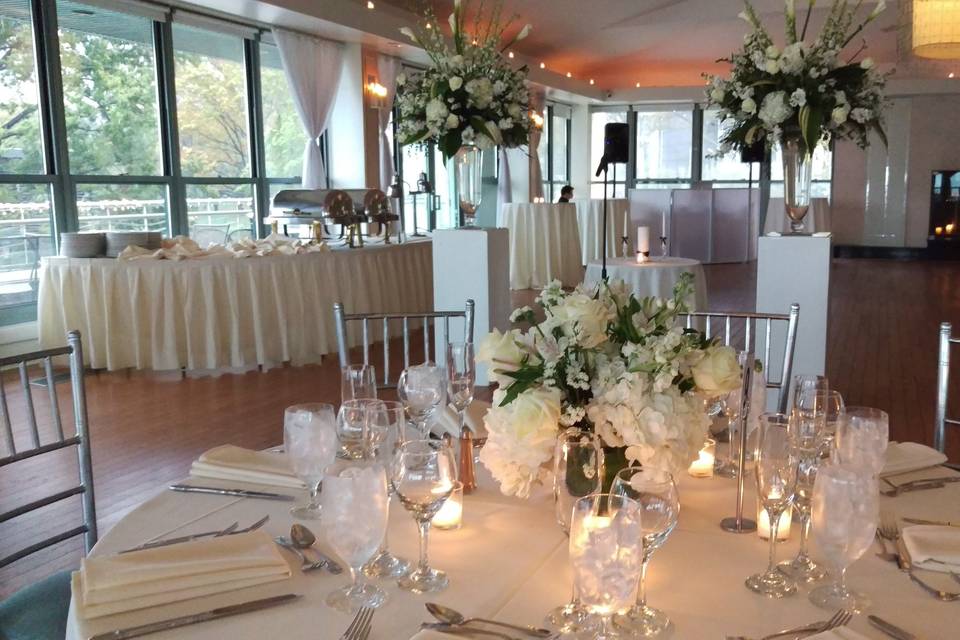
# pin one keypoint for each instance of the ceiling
(620, 43)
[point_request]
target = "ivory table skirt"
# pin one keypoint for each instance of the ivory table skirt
(224, 312)
(544, 244)
(654, 278)
(590, 221)
(817, 218)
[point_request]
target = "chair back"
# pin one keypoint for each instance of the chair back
(39, 446)
(943, 382)
(207, 234)
(754, 332)
(381, 323)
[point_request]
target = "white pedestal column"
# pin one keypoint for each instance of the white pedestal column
(473, 264)
(796, 269)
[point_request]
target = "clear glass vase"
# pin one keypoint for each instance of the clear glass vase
(797, 176)
(465, 183)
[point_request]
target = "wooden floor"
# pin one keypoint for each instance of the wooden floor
(147, 428)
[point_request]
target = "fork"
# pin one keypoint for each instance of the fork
(359, 629)
(840, 619)
(883, 554)
(305, 563)
(940, 594)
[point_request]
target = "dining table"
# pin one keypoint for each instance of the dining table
(544, 243)
(657, 276)
(509, 561)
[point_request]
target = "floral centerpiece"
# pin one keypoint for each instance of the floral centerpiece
(607, 362)
(802, 94)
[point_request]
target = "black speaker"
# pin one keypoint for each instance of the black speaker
(616, 142)
(756, 152)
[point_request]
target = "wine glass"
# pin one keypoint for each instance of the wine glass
(386, 426)
(862, 437)
(656, 493)
(356, 510)
(352, 427)
(420, 389)
(461, 377)
(606, 551)
(424, 477)
(310, 442)
(577, 472)
(846, 512)
(358, 381)
(776, 472)
(808, 382)
(834, 409)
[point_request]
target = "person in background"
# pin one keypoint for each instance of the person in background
(566, 194)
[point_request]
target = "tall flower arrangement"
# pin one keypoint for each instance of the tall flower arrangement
(608, 362)
(470, 95)
(813, 91)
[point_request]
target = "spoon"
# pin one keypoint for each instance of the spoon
(305, 564)
(464, 632)
(303, 538)
(455, 618)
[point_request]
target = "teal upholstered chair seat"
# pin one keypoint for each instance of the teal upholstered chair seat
(37, 612)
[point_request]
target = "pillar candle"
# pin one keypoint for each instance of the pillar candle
(663, 224)
(643, 239)
(626, 222)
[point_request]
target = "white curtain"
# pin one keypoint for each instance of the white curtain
(504, 194)
(312, 68)
(388, 68)
(538, 99)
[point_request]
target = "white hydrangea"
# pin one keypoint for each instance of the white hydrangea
(798, 98)
(839, 114)
(861, 115)
(792, 59)
(775, 109)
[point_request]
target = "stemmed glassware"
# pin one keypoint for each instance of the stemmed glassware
(834, 409)
(606, 551)
(352, 427)
(310, 442)
(862, 437)
(421, 390)
(656, 493)
(424, 477)
(803, 383)
(356, 522)
(846, 512)
(776, 472)
(358, 381)
(461, 377)
(578, 472)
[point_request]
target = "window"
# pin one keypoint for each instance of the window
(220, 212)
(618, 173)
(283, 135)
(554, 150)
(21, 143)
(543, 154)
(26, 212)
(664, 144)
(122, 207)
(822, 172)
(725, 168)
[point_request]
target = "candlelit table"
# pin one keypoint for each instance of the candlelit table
(590, 221)
(655, 277)
(509, 561)
(544, 243)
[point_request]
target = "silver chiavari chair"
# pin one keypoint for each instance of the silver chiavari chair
(15, 452)
(381, 323)
(943, 381)
(749, 331)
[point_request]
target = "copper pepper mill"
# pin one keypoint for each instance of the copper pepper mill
(468, 476)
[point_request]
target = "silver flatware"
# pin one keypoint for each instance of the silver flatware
(306, 564)
(890, 530)
(916, 485)
(890, 629)
(237, 493)
(840, 619)
(232, 530)
(303, 538)
(939, 523)
(883, 554)
(359, 628)
(455, 618)
(196, 618)
(465, 632)
(940, 594)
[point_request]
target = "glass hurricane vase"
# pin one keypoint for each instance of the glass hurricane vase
(464, 172)
(797, 177)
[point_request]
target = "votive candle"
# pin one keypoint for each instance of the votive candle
(949, 228)
(702, 467)
(783, 530)
(450, 515)
(938, 231)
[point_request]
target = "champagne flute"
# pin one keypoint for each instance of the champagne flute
(834, 409)
(808, 382)
(656, 493)
(461, 377)
(846, 512)
(862, 437)
(606, 551)
(424, 477)
(421, 389)
(577, 472)
(776, 473)
(358, 381)
(356, 522)
(310, 443)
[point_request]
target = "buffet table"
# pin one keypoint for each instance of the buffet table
(510, 562)
(544, 244)
(590, 221)
(656, 277)
(211, 313)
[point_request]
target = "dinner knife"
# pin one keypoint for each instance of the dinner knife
(939, 523)
(183, 621)
(238, 493)
(926, 481)
(891, 630)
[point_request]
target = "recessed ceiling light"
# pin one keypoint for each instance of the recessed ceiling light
(510, 54)
(950, 75)
(370, 4)
(429, 26)
(569, 75)
(543, 65)
(591, 81)
(638, 85)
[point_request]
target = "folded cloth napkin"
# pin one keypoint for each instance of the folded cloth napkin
(447, 421)
(933, 547)
(903, 457)
(106, 585)
(229, 462)
(840, 633)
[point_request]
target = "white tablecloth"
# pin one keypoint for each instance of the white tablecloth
(817, 218)
(654, 278)
(224, 312)
(509, 561)
(544, 244)
(590, 220)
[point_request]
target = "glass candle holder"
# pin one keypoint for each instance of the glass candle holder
(702, 467)
(763, 524)
(450, 516)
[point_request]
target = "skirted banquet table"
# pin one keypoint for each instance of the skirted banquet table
(656, 277)
(590, 219)
(544, 243)
(509, 561)
(216, 312)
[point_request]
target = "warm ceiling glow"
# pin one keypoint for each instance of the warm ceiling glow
(543, 65)
(936, 29)
(569, 75)
(537, 119)
(370, 4)
(591, 81)
(638, 85)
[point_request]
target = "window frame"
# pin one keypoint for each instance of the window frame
(552, 186)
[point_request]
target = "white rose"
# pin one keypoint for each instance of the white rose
(436, 110)
(861, 115)
(866, 63)
(718, 372)
(503, 352)
(401, 79)
(452, 121)
(717, 95)
(798, 98)
(455, 82)
(773, 52)
(839, 114)
(514, 110)
(582, 317)
(749, 106)
(772, 67)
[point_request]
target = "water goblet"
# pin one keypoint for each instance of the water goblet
(421, 390)
(808, 382)
(846, 512)
(310, 443)
(776, 474)
(356, 522)
(606, 551)
(862, 437)
(425, 474)
(352, 428)
(358, 381)
(461, 377)
(656, 493)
